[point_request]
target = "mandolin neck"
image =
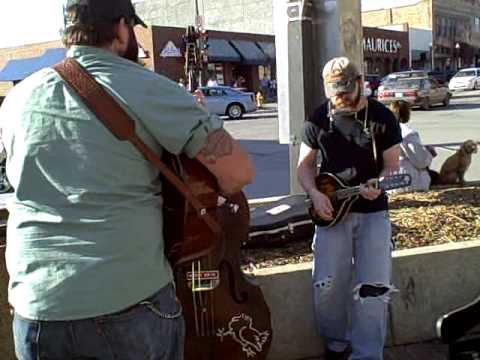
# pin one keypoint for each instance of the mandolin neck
(347, 193)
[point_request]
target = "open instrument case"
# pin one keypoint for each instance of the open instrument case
(280, 222)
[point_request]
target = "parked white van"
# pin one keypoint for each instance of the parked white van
(465, 79)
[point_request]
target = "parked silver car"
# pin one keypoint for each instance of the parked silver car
(465, 79)
(393, 77)
(224, 100)
(420, 91)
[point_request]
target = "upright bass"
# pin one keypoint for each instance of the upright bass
(226, 315)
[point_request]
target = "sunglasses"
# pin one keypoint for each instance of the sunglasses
(341, 87)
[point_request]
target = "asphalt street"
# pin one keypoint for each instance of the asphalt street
(258, 134)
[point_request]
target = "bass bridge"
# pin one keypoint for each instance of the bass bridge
(203, 280)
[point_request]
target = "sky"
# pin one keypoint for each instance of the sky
(31, 21)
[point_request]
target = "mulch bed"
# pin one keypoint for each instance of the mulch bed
(418, 219)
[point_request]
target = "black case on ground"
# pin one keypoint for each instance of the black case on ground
(460, 330)
(280, 222)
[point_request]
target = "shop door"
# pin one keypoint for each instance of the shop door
(242, 72)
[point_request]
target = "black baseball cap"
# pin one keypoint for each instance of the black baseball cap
(108, 10)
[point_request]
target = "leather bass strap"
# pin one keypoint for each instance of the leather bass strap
(114, 117)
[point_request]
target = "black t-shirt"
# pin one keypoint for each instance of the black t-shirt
(353, 160)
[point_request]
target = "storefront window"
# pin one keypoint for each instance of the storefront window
(264, 72)
(368, 66)
(439, 26)
(215, 71)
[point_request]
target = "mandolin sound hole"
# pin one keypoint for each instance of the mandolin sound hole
(327, 188)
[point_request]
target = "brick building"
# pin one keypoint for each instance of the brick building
(231, 55)
(256, 17)
(244, 16)
(454, 27)
(244, 20)
(247, 21)
(22, 52)
(385, 51)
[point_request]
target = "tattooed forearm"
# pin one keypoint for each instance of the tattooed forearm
(219, 144)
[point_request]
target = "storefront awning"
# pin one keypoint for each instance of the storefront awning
(250, 52)
(19, 69)
(220, 50)
(268, 49)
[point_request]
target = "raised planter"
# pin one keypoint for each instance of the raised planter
(432, 281)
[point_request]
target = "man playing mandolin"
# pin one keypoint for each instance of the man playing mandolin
(85, 248)
(357, 140)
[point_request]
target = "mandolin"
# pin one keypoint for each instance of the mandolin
(342, 196)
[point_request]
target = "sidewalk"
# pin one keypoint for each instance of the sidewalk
(271, 106)
(266, 111)
(427, 351)
(430, 351)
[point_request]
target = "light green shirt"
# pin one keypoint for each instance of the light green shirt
(84, 233)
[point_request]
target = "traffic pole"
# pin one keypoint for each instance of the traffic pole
(308, 33)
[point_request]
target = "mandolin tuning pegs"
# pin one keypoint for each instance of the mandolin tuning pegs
(221, 201)
(234, 208)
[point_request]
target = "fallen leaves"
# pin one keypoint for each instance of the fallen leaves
(435, 217)
(418, 219)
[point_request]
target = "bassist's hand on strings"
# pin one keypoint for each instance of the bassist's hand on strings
(322, 205)
(369, 190)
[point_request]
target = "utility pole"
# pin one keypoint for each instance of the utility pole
(308, 34)
(300, 59)
(197, 13)
(196, 56)
(198, 28)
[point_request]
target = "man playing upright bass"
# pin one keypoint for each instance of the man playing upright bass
(85, 250)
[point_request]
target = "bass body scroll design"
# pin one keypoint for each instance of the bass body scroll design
(225, 313)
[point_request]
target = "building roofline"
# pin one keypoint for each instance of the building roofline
(394, 7)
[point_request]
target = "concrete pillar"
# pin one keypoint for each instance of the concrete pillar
(337, 31)
(280, 21)
(308, 33)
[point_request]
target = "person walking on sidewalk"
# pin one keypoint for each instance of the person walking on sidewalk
(85, 252)
(352, 260)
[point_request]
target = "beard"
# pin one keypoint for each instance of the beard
(348, 102)
(348, 105)
(132, 47)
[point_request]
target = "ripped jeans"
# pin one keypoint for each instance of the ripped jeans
(351, 283)
(151, 330)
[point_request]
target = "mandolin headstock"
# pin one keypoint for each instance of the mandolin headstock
(395, 181)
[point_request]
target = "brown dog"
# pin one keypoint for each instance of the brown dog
(454, 168)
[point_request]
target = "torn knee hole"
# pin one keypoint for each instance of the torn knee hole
(324, 283)
(367, 290)
(380, 291)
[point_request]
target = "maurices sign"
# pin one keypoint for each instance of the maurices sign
(381, 45)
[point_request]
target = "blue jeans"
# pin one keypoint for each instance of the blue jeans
(351, 283)
(151, 330)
